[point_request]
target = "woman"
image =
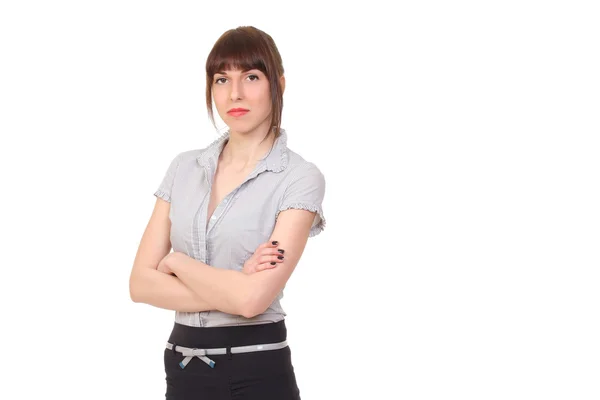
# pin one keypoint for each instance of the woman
(237, 214)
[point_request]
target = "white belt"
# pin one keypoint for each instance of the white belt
(190, 353)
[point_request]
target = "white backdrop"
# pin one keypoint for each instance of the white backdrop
(459, 141)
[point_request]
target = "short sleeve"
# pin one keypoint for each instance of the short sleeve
(165, 187)
(306, 191)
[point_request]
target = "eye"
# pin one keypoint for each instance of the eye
(254, 77)
(218, 80)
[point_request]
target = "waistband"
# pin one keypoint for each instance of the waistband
(227, 336)
(190, 353)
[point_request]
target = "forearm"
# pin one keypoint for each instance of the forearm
(161, 290)
(227, 290)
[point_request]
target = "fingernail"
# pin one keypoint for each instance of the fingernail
(275, 242)
(280, 257)
(273, 263)
(280, 250)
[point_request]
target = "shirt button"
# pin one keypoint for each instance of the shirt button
(213, 217)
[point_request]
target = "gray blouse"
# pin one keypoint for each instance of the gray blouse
(243, 220)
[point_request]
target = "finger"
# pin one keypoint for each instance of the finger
(272, 251)
(270, 259)
(268, 265)
(269, 244)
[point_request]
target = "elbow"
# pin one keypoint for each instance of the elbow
(134, 289)
(253, 299)
(250, 312)
(252, 306)
(133, 293)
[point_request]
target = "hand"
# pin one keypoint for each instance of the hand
(163, 265)
(266, 256)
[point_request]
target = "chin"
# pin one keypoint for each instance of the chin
(241, 128)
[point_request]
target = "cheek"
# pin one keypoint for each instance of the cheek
(262, 100)
(219, 100)
(258, 91)
(218, 96)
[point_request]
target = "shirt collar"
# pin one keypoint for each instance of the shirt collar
(275, 160)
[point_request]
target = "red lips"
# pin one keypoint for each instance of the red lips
(237, 112)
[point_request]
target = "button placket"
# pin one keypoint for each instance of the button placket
(200, 230)
(222, 206)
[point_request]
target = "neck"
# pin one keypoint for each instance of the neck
(244, 149)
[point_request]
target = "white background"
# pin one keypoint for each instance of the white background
(459, 141)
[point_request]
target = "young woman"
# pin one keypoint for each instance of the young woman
(237, 215)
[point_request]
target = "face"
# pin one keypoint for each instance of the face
(243, 100)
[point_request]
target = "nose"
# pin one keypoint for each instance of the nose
(236, 90)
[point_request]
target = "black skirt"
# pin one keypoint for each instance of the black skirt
(257, 375)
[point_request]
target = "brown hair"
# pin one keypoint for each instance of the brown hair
(247, 47)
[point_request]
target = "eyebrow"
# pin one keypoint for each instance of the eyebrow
(243, 71)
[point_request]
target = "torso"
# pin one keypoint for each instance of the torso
(244, 222)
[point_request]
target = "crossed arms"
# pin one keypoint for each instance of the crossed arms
(201, 287)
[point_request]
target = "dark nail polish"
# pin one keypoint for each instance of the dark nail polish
(280, 250)
(280, 257)
(273, 263)
(275, 242)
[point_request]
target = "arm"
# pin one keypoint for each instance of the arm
(158, 289)
(146, 284)
(292, 231)
(228, 290)
(249, 295)
(299, 216)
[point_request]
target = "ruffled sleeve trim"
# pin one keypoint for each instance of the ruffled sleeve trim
(317, 226)
(163, 195)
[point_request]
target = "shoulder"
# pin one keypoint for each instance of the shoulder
(304, 190)
(202, 154)
(189, 156)
(298, 167)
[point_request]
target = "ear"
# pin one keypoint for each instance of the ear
(282, 83)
